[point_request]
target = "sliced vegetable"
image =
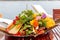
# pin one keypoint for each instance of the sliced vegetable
(40, 31)
(34, 23)
(40, 24)
(18, 34)
(15, 29)
(14, 21)
(50, 22)
(34, 15)
(43, 16)
(38, 17)
(28, 32)
(17, 18)
(9, 27)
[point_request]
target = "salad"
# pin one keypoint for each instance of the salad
(30, 23)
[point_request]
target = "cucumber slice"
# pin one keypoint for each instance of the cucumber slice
(15, 29)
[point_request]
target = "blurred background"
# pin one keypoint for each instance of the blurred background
(10, 9)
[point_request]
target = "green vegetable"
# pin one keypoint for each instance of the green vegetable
(28, 32)
(26, 26)
(42, 23)
(17, 22)
(26, 16)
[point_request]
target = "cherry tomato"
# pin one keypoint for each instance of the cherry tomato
(17, 18)
(14, 21)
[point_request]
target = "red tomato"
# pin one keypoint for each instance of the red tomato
(17, 18)
(14, 21)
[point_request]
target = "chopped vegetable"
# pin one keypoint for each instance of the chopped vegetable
(17, 34)
(27, 23)
(34, 15)
(50, 22)
(14, 21)
(38, 17)
(28, 32)
(10, 27)
(40, 31)
(15, 29)
(17, 18)
(34, 23)
(43, 16)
